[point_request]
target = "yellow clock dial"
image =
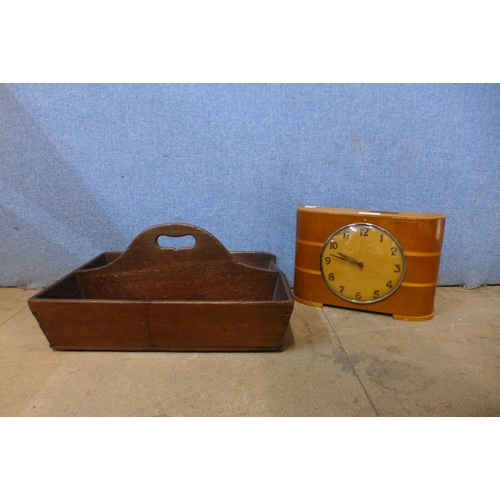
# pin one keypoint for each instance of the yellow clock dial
(362, 263)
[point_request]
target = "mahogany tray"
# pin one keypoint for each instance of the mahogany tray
(151, 298)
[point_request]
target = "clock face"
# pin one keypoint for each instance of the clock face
(362, 263)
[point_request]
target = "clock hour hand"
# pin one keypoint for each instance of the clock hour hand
(351, 260)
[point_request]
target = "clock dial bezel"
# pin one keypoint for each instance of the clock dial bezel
(373, 226)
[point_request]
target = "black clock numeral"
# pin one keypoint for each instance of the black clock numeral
(358, 296)
(389, 284)
(394, 251)
(345, 235)
(342, 289)
(381, 237)
(376, 294)
(398, 268)
(364, 231)
(333, 245)
(327, 261)
(331, 277)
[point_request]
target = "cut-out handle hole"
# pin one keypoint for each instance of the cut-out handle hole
(176, 242)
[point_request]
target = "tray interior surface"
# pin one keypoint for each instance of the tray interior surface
(70, 287)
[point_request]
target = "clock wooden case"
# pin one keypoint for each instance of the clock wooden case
(386, 262)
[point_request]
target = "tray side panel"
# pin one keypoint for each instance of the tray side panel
(80, 324)
(167, 326)
(222, 326)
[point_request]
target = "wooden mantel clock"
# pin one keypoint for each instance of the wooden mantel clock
(386, 262)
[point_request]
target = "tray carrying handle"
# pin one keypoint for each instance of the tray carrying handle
(205, 271)
(145, 250)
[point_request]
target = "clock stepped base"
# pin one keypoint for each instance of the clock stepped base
(413, 318)
(306, 302)
(400, 317)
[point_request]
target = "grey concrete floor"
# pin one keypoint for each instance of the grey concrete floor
(335, 362)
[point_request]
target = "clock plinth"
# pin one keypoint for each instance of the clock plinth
(386, 262)
(414, 318)
(306, 302)
(427, 317)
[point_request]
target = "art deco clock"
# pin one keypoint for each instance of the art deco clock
(385, 262)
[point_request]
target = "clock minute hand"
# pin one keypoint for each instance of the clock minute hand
(351, 260)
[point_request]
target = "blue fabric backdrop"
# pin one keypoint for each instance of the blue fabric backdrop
(85, 168)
